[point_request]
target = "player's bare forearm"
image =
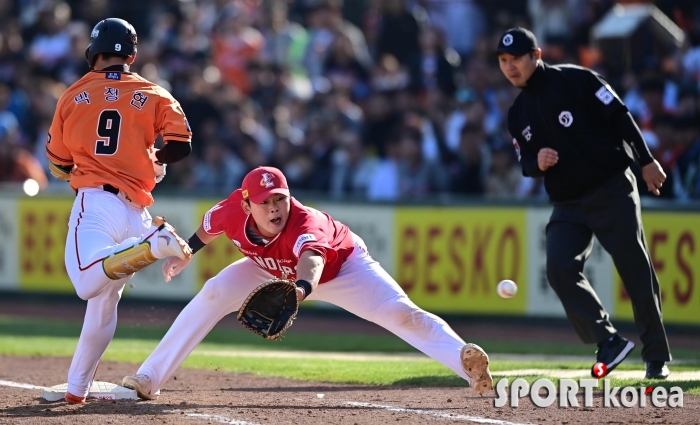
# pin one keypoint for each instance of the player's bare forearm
(204, 236)
(310, 267)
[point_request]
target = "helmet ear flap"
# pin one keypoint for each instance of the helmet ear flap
(90, 58)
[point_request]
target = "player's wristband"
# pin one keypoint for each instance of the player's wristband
(195, 243)
(306, 286)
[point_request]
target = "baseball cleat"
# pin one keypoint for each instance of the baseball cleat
(475, 363)
(141, 384)
(611, 353)
(169, 243)
(74, 399)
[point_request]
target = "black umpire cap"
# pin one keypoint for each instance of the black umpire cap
(517, 42)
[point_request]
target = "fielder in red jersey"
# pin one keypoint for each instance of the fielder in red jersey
(280, 236)
(307, 229)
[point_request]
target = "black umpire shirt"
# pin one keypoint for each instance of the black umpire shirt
(571, 109)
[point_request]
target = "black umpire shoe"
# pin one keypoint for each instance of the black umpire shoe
(611, 353)
(656, 370)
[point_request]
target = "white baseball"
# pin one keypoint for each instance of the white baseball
(506, 289)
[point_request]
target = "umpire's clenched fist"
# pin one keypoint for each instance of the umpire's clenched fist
(654, 177)
(547, 157)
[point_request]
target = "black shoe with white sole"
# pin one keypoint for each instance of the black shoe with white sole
(612, 352)
(656, 370)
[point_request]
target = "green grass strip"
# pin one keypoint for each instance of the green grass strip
(221, 350)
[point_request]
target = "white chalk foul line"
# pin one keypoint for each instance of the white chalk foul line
(212, 418)
(20, 385)
(444, 415)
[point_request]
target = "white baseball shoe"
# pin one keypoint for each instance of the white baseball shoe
(475, 363)
(141, 384)
(169, 243)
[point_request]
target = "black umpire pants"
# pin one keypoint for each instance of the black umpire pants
(612, 213)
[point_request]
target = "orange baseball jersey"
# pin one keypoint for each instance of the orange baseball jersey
(106, 124)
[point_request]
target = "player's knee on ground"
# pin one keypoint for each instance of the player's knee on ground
(127, 262)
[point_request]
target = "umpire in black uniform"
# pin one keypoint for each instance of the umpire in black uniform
(570, 126)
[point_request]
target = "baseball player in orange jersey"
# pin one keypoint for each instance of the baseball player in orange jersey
(101, 141)
(280, 236)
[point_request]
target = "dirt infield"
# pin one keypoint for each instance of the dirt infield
(209, 397)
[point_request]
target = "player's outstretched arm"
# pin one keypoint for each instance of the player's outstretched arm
(309, 270)
(172, 266)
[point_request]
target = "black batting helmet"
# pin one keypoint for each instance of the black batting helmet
(111, 35)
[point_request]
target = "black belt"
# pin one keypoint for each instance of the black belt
(107, 187)
(111, 189)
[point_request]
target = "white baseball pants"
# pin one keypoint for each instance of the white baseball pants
(100, 223)
(362, 287)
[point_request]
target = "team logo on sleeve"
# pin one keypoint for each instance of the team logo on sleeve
(517, 148)
(527, 133)
(566, 119)
(267, 180)
(301, 240)
(604, 94)
(206, 222)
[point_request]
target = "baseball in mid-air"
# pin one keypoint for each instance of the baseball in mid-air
(506, 288)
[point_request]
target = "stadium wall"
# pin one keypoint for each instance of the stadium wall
(448, 259)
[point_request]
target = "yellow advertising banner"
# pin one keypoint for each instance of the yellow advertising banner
(451, 259)
(42, 226)
(674, 246)
(216, 255)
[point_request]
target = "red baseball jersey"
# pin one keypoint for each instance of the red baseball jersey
(307, 228)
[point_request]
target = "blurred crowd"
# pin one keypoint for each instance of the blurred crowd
(360, 99)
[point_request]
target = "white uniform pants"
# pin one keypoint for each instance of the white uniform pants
(100, 224)
(362, 287)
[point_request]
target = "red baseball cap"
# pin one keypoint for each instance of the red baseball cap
(262, 182)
